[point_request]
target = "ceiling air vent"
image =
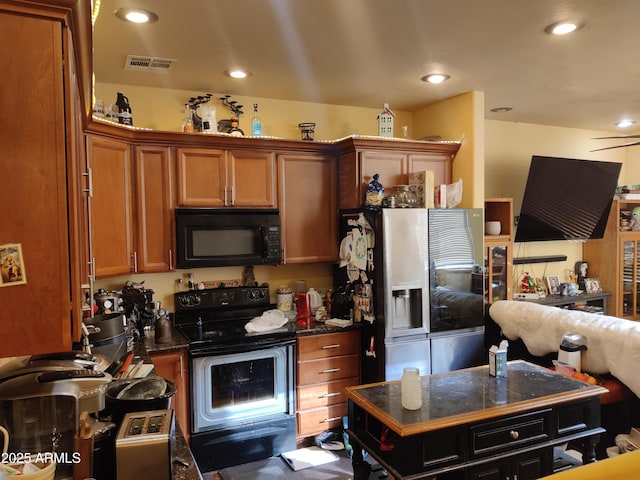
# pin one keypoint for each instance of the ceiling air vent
(141, 63)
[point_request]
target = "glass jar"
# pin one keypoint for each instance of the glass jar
(405, 196)
(284, 297)
(411, 388)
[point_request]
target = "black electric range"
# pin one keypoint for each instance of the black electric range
(213, 320)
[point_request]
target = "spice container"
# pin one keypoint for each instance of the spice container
(284, 296)
(405, 197)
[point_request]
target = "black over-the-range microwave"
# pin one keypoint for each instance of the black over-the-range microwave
(219, 237)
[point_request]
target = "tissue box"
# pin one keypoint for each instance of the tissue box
(497, 362)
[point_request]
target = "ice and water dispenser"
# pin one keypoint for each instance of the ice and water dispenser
(407, 309)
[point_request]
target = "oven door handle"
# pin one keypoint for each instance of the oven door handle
(209, 351)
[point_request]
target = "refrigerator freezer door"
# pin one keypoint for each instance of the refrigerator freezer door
(457, 350)
(406, 353)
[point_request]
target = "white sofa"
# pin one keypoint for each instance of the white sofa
(613, 344)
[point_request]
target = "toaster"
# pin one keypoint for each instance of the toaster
(145, 444)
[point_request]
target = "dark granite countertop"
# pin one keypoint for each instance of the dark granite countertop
(184, 465)
(455, 397)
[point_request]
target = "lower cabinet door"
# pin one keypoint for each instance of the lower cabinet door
(524, 466)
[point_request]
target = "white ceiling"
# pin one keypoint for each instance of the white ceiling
(368, 52)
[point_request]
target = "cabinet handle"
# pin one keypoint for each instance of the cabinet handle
(327, 347)
(514, 434)
(225, 196)
(330, 370)
(135, 262)
(233, 195)
(89, 176)
(333, 419)
(92, 270)
(171, 260)
(327, 395)
(181, 367)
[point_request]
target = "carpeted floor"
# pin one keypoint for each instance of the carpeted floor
(277, 468)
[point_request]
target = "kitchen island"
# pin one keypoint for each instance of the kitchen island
(474, 424)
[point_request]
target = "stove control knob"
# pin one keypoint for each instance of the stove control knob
(196, 300)
(184, 301)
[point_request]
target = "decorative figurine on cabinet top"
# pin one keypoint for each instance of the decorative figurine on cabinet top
(385, 122)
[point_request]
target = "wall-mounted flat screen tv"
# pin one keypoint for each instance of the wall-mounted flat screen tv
(566, 199)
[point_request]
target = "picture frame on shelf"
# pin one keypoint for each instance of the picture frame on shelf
(553, 282)
(592, 285)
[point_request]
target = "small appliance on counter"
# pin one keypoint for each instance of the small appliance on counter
(139, 307)
(144, 445)
(109, 334)
(41, 410)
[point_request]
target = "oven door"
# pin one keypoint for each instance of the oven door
(235, 388)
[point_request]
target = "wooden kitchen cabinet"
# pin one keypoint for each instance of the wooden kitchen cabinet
(154, 202)
(226, 178)
(360, 159)
(39, 302)
(173, 366)
(326, 365)
(308, 215)
(615, 261)
(111, 206)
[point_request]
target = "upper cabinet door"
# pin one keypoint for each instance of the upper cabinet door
(34, 244)
(251, 178)
(438, 163)
(391, 166)
(308, 211)
(154, 206)
(111, 207)
(201, 177)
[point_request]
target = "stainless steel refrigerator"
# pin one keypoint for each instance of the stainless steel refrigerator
(385, 271)
(456, 297)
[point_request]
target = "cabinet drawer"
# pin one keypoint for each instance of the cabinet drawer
(508, 433)
(328, 345)
(328, 369)
(323, 394)
(312, 422)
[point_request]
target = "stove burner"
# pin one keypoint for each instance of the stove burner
(211, 335)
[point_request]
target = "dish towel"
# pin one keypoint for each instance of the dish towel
(269, 320)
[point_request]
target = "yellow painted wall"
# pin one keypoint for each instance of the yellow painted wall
(508, 150)
(459, 118)
(163, 109)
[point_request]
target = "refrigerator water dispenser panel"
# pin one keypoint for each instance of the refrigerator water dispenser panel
(406, 311)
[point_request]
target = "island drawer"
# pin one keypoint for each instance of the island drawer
(328, 345)
(509, 433)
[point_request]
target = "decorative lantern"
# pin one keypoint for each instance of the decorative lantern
(385, 122)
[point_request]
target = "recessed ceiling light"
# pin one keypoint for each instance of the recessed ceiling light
(501, 109)
(236, 73)
(625, 123)
(435, 78)
(136, 15)
(562, 28)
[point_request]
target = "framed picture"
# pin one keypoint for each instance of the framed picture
(553, 282)
(11, 265)
(592, 285)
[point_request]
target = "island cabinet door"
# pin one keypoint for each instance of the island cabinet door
(524, 466)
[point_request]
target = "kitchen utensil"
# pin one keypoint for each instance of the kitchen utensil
(303, 308)
(143, 394)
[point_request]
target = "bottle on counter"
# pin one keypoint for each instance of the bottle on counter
(187, 123)
(191, 283)
(411, 388)
(256, 123)
(125, 116)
